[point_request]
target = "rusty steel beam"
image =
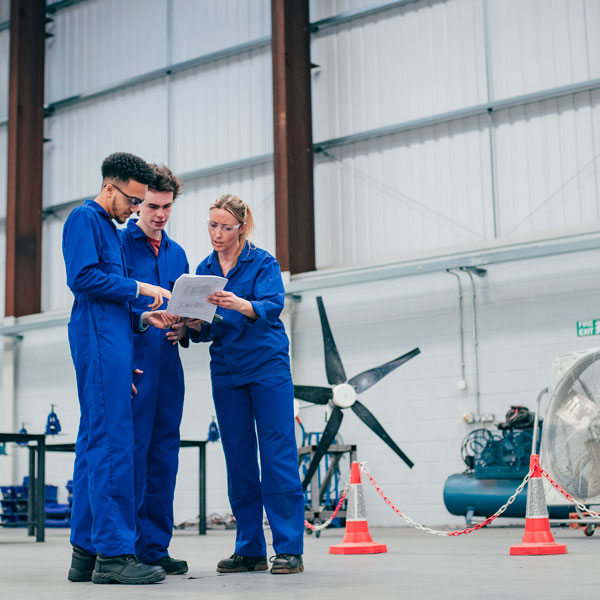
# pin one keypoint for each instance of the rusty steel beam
(293, 153)
(25, 158)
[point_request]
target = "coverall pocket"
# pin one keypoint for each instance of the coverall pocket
(110, 262)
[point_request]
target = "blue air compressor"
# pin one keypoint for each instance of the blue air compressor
(497, 462)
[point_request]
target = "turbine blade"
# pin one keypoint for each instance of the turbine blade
(328, 436)
(365, 415)
(312, 393)
(333, 362)
(363, 381)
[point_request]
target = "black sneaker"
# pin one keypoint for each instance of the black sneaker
(172, 566)
(237, 563)
(127, 569)
(284, 564)
(82, 565)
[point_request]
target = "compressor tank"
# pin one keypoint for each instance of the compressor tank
(466, 495)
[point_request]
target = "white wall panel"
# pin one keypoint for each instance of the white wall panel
(542, 44)
(204, 27)
(592, 19)
(547, 164)
(527, 314)
(55, 293)
(406, 193)
(323, 9)
(4, 10)
(133, 120)
(399, 65)
(46, 376)
(101, 42)
(188, 226)
(4, 72)
(222, 112)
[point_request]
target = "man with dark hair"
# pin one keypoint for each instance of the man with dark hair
(103, 527)
(157, 409)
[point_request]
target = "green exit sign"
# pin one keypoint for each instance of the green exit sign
(589, 327)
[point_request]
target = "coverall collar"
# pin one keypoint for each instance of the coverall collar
(138, 232)
(245, 256)
(98, 208)
(213, 261)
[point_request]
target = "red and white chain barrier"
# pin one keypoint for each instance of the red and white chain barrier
(326, 523)
(413, 523)
(416, 525)
(568, 496)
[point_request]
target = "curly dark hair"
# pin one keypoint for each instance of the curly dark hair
(165, 180)
(122, 166)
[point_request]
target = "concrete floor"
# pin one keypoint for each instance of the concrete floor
(417, 565)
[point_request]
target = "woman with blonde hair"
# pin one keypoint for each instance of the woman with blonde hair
(253, 393)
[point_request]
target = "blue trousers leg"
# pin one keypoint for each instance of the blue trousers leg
(266, 409)
(283, 499)
(238, 435)
(103, 516)
(159, 463)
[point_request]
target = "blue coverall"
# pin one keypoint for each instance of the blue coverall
(253, 396)
(158, 405)
(101, 340)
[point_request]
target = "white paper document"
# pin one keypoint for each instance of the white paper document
(188, 298)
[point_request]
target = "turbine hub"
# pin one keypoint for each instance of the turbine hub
(344, 395)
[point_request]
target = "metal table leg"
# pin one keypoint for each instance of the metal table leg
(41, 490)
(31, 508)
(202, 489)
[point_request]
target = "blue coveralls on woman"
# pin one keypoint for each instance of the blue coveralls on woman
(253, 396)
(101, 340)
(158, 405)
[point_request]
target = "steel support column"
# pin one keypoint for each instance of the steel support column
(25, 157)
(293, 154)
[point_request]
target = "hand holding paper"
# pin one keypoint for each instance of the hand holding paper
(190, 293)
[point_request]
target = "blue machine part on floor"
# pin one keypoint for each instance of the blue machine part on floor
(53, 424)
(496, 465)
(14, 504)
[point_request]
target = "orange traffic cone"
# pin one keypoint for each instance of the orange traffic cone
(538, 538)
(357, 539)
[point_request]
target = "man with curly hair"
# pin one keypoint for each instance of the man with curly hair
(103, 527)
(158, 407)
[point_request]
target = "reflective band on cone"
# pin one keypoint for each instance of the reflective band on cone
(538, 538)
(357, 539)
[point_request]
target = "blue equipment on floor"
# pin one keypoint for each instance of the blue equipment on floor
(496, 464)
(14, 505)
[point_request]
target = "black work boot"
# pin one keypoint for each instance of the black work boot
(172, 566)
(237, 563)
(82, 565)
(284, 564)
(127, 569)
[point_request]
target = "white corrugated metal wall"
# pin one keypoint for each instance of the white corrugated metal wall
(444, 176)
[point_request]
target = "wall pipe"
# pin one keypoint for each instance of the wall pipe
(481, 273)
(462, 328)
